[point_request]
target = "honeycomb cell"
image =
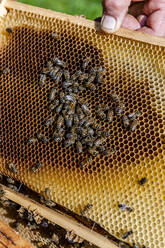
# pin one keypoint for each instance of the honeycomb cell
(135, 71)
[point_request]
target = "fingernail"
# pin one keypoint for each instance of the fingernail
(108, 23)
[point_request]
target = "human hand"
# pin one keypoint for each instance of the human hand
(150, 16)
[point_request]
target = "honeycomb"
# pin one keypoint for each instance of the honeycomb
(136, 72)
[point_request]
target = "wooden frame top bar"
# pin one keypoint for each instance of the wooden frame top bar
(133, 35)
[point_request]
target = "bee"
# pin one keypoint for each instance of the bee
(50, 65)
(143, 180)
(5, 71)
(101, 114)
(134, 125)
(133, 116)
(71, 110)
(88, 122)
(102, 149)
(110, 115)
(42, 137)
(74, 130)
(75, 84)
(55, 238)
(125, 121)
(71, 97)
(50, 121)
(86, 209)
(53, 72)
(119, 108)
(123, 206)
(54, 35)
(99, 78)
(2, 192)
(83, 76)
(76, 75)
(114, 97)
(45, 71)
(69, 90)
(33, 140)
(13, 187)
(72, 238)
(54, 104)
(89, 143)
(61, 96)
(10, 180)
(9, 30)
(85, 109)
(39, 244)
(50, 203)
(47, 193)
(42, 80)
(123, 245)
(12, 168)
(60, 122)
(70, 142)
(91, 131)
(105, 134)
(58, 77)
(101, 70)
(59, 108)
(92, 151)
(69, 121)
(97, 126)
(67, 84)
(75, 119)
(109, 152)
(91, 77)
(90, 86)
(127, 234)
(79, 112)
(70, 136)
(135, 245)
(66, 75)
(81, 88)
(59, 62)
(44, 223)
(36, 167)
(99, 141)
(75, 90)
(85, 63)
(56, 136)
(79, 147)
(85, 162)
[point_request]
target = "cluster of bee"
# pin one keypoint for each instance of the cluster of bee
(71, 121)
(72, 238)
(107, 114)
(82, 79)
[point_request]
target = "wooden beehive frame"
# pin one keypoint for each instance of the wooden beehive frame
(57, 218)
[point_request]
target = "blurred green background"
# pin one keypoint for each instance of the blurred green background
(90, 8)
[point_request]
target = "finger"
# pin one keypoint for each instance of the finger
(130, 22)
(114, 12)
(153, 5)
(142, 19)
(155, 24)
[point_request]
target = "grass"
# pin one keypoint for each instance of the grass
(90, 8)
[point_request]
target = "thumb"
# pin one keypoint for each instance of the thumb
(114, 12)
